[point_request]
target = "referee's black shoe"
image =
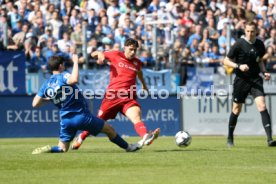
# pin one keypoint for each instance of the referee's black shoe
(271, 143)
(230, 142)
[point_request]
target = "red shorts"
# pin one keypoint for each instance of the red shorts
(110, 107)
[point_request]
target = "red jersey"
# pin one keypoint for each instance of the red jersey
(123, 71)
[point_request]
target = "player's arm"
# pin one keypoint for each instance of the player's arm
(38, 101)
(74, 77)
(230, 63)
(263, 69)
(141, 78)
(100, 56)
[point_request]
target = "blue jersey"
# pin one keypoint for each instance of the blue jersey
(67, 98)
(74, 111)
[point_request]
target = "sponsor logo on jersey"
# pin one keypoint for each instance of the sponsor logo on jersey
(122, 65)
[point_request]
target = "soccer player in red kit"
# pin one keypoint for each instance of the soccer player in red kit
(120, 95)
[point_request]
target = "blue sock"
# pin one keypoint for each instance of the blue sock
(56, 149)
(119, 141)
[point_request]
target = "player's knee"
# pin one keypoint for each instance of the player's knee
(65, 149)
(261, 107)
(236, 110)
(109, 131)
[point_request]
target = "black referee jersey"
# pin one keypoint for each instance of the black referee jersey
(244, 52)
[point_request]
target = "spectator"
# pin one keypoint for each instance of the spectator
(116, 47)
(249, 13)
(113, 12)
(196, 35)
(186, 20)
(147, 59)
(213, 33)
(270, 59)
(98, 35)
(97, 5)
(154, 6)
(56, 24)
(93, 19)
(18, 39)
(176, 53)
(195, 46)
(14, 17)
(65, 26)
(37, 62)
(67, 9)
(64, 43)
(215, 58)
(271, 41)
(49, 12)
(205, 38)
(222, 41)
(106, 29)
(121, 37)
(47, 49)
(193, 14)
(75, 17)
(186, 60)
(76, 37)
(92, 45)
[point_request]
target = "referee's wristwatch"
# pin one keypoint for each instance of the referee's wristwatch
(237, 66)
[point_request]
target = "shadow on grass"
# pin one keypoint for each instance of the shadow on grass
(107, 151)
(189, 150)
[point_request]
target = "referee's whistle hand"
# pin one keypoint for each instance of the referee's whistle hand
(267, 76)
(244, 68)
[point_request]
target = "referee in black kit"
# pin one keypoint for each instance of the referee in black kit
(246, 57)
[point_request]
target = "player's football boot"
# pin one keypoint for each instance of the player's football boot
(141, 143)
(44, 149)
(77, 143)
(152, 136)
(230, 142)
(132, 147)
(271, 143)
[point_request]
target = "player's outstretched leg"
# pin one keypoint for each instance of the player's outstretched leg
(118, 140)
(230, 142)
(271, 143)
(267, 126)
(62, 147)
(231, 128)
(79, 140)
(150, 137)
(44, 149)
(132, 147)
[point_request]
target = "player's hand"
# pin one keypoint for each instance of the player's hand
(101, 58)
(75, 58)
(266, 76)
(244, 68)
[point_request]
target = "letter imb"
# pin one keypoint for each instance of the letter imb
(10, 69)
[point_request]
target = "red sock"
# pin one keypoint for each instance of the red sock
(84, 134)
(140, 129)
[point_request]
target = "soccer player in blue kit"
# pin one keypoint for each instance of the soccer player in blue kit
(62, 90)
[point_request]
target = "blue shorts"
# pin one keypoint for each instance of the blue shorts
(74, 122)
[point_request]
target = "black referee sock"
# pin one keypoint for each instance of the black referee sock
(267, 124)
(232, 125)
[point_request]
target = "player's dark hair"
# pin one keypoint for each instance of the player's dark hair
(54, 62)
(131, 41)
(251, 23)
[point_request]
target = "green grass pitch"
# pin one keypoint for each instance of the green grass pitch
(206, 160)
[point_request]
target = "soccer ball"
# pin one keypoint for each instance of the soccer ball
(183, 139)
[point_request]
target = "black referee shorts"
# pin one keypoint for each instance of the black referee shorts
(243, 87)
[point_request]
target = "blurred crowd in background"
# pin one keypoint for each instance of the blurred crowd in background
(196, 36)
